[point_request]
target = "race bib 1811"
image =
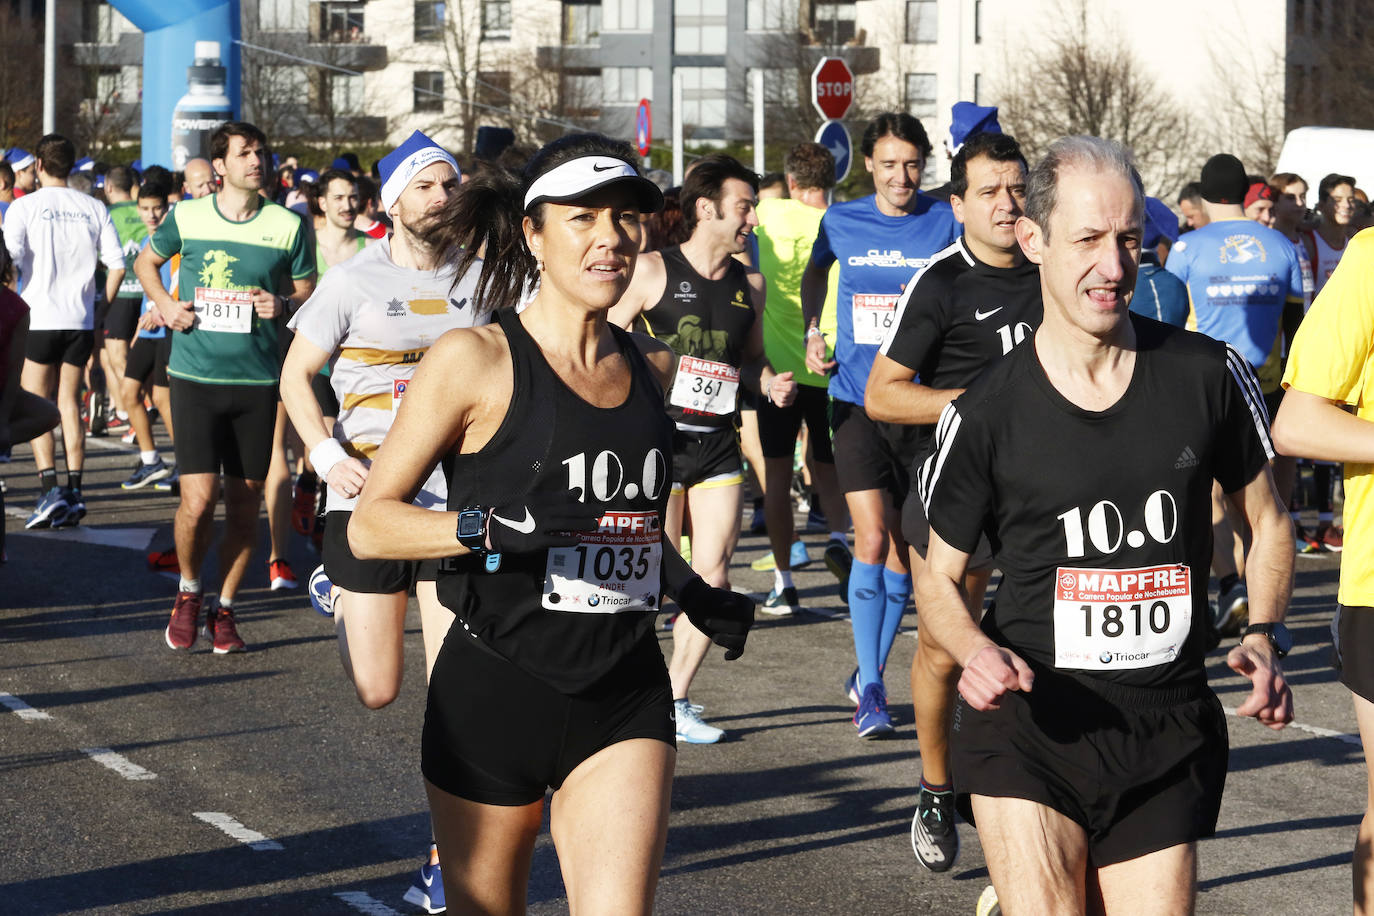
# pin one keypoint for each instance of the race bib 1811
(705, 385)
(873, 316)
(612, 569)
(225, 311)
(1112, 619)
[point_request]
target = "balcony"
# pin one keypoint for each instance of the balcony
(125, 51)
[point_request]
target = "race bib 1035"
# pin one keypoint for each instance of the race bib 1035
(610, 570)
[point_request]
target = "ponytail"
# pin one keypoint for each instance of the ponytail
(485, 219)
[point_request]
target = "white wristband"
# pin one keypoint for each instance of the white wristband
(324, 456)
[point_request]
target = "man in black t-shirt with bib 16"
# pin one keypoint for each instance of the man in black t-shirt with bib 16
(1087, 747)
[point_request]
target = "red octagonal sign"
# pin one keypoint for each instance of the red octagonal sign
(832, 88)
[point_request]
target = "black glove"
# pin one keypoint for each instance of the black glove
(529, 527)
(721, 614)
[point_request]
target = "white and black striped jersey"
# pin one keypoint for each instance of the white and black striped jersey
(1101, 521)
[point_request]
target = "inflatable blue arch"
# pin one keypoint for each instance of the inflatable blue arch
(170, 32)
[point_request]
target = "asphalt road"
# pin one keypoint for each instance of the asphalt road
(139, 780)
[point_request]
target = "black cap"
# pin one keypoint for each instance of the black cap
(1224, 180)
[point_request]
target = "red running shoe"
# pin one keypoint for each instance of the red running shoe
(164, 561)
(181, 630)
(220, 627)
(280, 574)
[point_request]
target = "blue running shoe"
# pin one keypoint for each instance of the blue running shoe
(76, 509)
(799, 557)
(321, 592)
(145, 474)
(851, 687)
(871, 718)
(51, 509)
(428, 890)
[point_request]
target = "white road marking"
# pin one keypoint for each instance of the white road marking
(127, 538)
(117, 762)
(366, 904)
(1310, 729)
(251, 838)
(21, 709)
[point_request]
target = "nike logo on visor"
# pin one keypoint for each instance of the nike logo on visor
(525, 526)
(605, 168)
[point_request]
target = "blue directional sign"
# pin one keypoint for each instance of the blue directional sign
(835, 138)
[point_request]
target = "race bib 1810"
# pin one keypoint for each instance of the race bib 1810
(705, 385)
(225, 311)
(873, 316)
(1112, 619)
(610, 570)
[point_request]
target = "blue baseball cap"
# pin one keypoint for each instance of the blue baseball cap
(1160, 223)
(19, 158)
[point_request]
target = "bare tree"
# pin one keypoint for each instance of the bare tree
(1082, 80)
(107, 115)
(21, 57)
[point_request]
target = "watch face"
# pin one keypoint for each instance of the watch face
(469, 524)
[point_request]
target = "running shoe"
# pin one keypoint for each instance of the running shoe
(76, 509)
(164, 561)
(321, 592)
(851, 687)
(181, 630)
(303, 509)
(1233, 610)
(145, 474)
(757, 523)
(1331, 537)
(428, 890)
(116, 424)
(129, 437)
(839, 561)
(690, 728)
(987, 903)
(800, 559)
(782, 604)
(816, 520)
(223, 632)
(170, 484)
(280, 574)
(934, 837)
(871, 718)
(98, 421)
(51, 509)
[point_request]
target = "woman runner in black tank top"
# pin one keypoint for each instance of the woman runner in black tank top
(552, 430)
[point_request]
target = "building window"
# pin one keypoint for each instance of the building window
(779, 87)
(626, 85)
(699, 27)
(429, 90)
(920, 94)
(429, 20)
(338, 93)
(493, 92)
(833, 23)
(768, 16)
(495, 20)
(284, 15)
(582, 23)
(703, 96)
(340, 21)
(627, 15)
(921, 22)
(582, 90)
(98, 22)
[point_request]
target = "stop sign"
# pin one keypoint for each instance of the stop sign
(832, 88)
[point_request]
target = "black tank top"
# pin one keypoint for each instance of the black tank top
(567, 616)
(707, 323)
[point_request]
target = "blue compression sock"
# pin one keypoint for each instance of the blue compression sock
(898, 589)
(866, 614)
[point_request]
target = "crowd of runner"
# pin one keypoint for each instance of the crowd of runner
(538, 391)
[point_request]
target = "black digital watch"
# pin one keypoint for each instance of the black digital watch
(472, 528)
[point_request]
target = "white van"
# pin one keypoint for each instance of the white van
(1315, 152)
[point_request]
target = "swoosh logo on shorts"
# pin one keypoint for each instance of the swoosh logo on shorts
(525, 526)
(980, 315)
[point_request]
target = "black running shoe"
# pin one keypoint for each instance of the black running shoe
(934, 838)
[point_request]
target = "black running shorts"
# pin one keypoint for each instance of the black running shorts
(1139, 770)
(499, 736)
(224, 427)
(121, 319)
(52, 347)
(148, 360)
(706, 459)
(778, 426)
(870, 455)
(916, 531)
(1355, 649)
(365, 577)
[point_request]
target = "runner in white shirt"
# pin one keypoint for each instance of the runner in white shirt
(372, 318)
(55, 236)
